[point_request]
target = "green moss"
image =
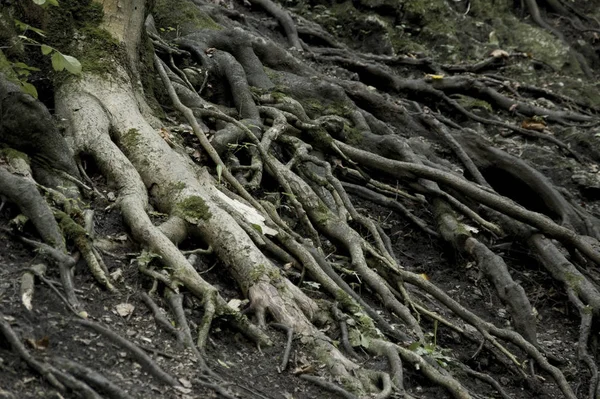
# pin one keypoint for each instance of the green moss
(181, 17)
(193, 209)
(74, 29)
(352, 135)
(153, 93)
(321, 214)
(71, 229)
(278, 95)
(100, 52)
(275, 275)
(130, 138)
(470, 102)
(345, 300)
(573, 281)
(11, 45)
(320, 138)
(434, 15)
(10, 153)
(257, 273)
(6, 68)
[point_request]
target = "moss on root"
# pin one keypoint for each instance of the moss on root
(74, 29)
(10, 154)
(130, 138)
(181, 16)
(193, 209)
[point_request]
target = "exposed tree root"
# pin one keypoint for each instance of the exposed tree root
(139, 355)
(285, 152)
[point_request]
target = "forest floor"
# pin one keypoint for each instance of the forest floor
(47, 329)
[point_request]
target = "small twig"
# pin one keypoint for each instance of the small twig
(57, 292)
(93, 378)
(160, 317)
(340, 318)
(483, 377)
(329, 386)
(15, 342)
(288, 347)
(138, 354)
(199, 251)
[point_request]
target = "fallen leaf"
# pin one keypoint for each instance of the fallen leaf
(235, 304)
(185, 383)
(529, 124)
(499, 54)
(117, 274)
(39, 344)
(183, 389)
(125, 309)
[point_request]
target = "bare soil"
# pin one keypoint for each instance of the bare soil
(252, 371)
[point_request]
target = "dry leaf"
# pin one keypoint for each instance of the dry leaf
(197, 155)
(185, 383)
(124, 309)
(531, 124)
(39, 344)
(499, 54)
(235, 304)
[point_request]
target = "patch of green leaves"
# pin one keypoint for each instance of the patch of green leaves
(46, 2)
(431, 351)
(23, 27)
(145, 258)
(357, 338)
(61, 62)
(23, 71)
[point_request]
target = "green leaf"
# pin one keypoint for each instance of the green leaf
(28, 39)
(29, 89)
(145, 258)
(45, 2)
(61, 61)
(413, 347)
(25, 27)
(46, 49)
(365, 341)
(222, 363)
(72, 64)
(219, 172)
(58, 61)
(21, 65)
(354, 337)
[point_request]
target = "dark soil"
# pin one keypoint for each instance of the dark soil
(252, 371)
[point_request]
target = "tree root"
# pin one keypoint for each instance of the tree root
(289, 146)
(139, 355)
(92, 378)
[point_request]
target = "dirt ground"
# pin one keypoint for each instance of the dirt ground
(49, 331)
